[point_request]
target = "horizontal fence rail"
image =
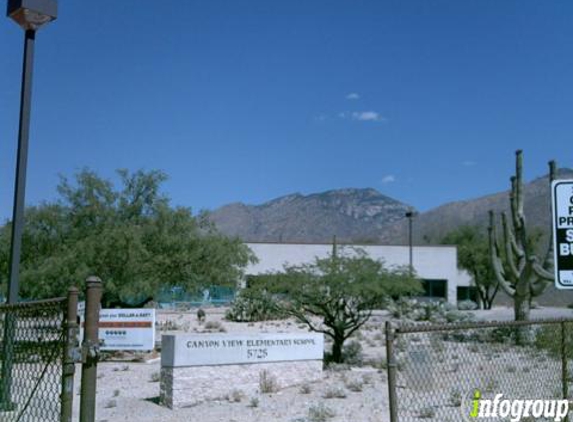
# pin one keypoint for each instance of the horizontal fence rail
(32, 340)
(436, 371)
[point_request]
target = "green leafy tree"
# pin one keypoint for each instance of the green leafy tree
(474, 257)
(341, 290)
(131, 237)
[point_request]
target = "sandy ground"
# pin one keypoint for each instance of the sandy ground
(129, 391)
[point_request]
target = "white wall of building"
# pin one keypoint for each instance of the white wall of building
(429, 262)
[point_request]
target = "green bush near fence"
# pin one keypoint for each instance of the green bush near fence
(253, 305)
(548, 338)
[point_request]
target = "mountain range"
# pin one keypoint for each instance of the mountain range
(365, 216)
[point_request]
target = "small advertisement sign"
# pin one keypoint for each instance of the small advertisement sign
(125, 329)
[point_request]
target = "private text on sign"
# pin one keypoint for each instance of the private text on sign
(562, 202)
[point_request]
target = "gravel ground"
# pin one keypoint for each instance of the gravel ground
(129, 391)
(506, 313)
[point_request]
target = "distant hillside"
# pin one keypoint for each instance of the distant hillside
(433, 225)
(353, 215)
(367, 216)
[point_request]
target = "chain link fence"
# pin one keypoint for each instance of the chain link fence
(435, 371)
(32, 347)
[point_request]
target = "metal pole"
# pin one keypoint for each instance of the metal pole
(90, 350)
(69, 367)
(21, 164)
(564, 370)
(17, 219)
(410, 243)
(391, 363)
(409, 216)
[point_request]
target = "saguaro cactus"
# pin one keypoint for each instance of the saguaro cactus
(516, 267)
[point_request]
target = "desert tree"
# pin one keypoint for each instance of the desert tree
(126, 233)
(473, 256)
(336, 295)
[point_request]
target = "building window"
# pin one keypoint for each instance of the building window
(435, 289)
(467, 293)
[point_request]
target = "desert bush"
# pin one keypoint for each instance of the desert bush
(253, 305)
(170, 325)
(467, 305)
(305, 389)
(254, 402)
(432, 311)
(341, 290)
(355, 385)
(334, 393)
(235, 396)
(352, 353)
(548, 338)
(427, 413)
(320, 413)
(201, 315)
(215, 326)
(455, 397)
(267, 383)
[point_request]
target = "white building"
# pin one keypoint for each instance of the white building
(435, 265)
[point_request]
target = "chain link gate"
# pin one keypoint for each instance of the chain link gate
(33, 338)
(39, 349)
(434, 370)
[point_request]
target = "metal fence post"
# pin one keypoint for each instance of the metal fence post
(391, 363)
(564, 370)
(69, 368)
(90, 350)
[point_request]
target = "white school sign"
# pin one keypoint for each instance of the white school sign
(562, 201)
(225, 349)
(200, 367)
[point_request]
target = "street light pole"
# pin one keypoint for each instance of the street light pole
(21, 166)
(410, 215)
(30, 15)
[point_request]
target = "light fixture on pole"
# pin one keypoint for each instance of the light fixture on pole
(30, 15)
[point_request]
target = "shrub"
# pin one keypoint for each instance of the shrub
(355, 385)
(427, 413)
(548, 338)
(253, 305)
(334, 393)
(432, 311)
(215, 326)
(352, 353)
(235, 396)
(201, 315)
(455, 397)
(267, 383)
(467, 305)
(305, 389)
(320, 413)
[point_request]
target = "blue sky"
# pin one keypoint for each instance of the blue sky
(424, 100)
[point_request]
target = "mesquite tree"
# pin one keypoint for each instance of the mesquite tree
(336, 295)
(516, 266)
